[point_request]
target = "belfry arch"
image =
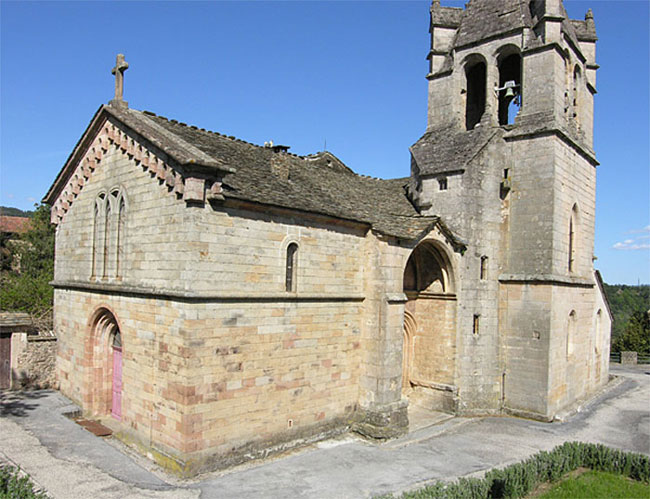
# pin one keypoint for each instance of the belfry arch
(104, 346)
(429, 351)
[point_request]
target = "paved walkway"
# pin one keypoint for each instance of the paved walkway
(70, 462)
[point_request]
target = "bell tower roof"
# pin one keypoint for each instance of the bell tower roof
(484, 19)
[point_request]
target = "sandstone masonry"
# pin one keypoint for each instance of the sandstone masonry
(219, 301)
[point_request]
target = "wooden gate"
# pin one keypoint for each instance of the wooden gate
(5, 361)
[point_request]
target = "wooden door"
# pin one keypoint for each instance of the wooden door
(116, 406)
(5, 361)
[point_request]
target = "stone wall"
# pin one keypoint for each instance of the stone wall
(200, 380)
(170, 246)
(219, 360)
(33, 361)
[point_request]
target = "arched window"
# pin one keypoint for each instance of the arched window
(576, 93)
(572, 326)
(573, 227)
(119, 257)
(291, 267)
(598, 331)
(93, 268)
(98, 233)
(107, 238)
(476, 79)
(568, 82)
(510, 93)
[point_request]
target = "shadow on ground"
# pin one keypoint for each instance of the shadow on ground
(18, 404)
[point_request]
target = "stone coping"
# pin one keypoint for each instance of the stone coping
(547, 279)
(182, 295)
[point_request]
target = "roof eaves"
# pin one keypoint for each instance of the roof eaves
(179, 150)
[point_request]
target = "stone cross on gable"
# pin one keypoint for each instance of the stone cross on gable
(120, 66)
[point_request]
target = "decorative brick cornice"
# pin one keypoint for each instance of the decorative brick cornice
(191, 182)
(113, 135)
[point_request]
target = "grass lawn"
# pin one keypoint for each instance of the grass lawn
(596, 485)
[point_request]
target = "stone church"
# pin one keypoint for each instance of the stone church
(218, 300)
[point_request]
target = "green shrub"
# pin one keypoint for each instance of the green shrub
(520, 479)
(13, 486)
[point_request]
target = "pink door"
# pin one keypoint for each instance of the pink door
(116, 409)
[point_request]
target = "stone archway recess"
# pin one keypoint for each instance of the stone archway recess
(429, 355)
(100, 359)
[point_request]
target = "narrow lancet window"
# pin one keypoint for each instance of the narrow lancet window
(119, 263)
(572, 239)
(95, 243)
(571, 333)
(292, 257)
(576, 94)
(483, 271)
(107, 238)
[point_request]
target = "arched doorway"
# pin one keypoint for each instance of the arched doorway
(429, 356)
(104, 386)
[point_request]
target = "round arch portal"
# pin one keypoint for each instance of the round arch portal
(104, 346)
(429, 346)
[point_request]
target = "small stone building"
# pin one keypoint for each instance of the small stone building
(222, 300)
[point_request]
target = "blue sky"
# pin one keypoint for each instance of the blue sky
(302, 73)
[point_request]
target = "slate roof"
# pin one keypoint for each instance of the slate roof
(449, 149)
(483, 19)
(318, 184)
(448, 17)
(487, 18)
(585, 30)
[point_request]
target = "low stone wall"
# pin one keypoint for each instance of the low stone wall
(35, 362)
(629, 358)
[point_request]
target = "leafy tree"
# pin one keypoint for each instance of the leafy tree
(28, 289)
(625, 301)
(6, 255)
(636, 337)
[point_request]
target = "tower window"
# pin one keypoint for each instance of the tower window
(483, 272)
(573, 220)
(442, 184)
(292, 256)
(509, 92)
(476, 76)
(476, 324)
(576, 93)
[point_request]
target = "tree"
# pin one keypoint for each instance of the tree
(636, 337)
(28, 289)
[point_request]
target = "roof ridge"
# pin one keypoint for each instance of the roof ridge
(205, 130)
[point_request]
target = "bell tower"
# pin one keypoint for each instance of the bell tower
(507, 162)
